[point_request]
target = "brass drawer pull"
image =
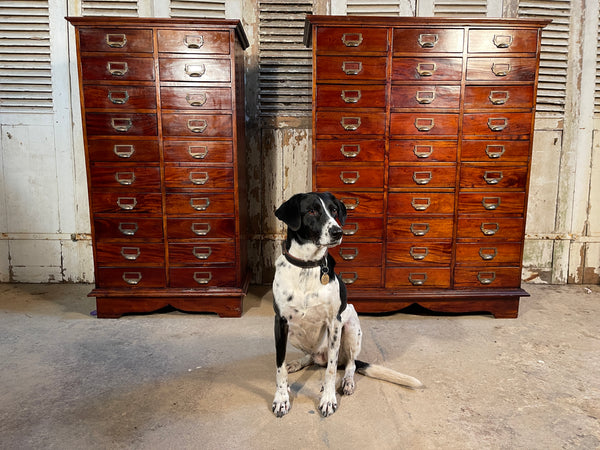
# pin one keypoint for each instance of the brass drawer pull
(497, 123)
(128, 228)
(486, 277)
(426, 69)
(425, 97)
(199, 178)
(351, 203)
(428, 40)
(200, 204)
(494, 151)
(501, 69)
(132, 278)
(352, 96)
(117, 69)
(419, 229)
(419, 253)
(350, 153)
(196, 100)
(197, 125)
(125, 178)
(195, 70)
(127, 203)
(202, 277)
(352, 39)
(352, 67)
(118, 97)
(349, 177)
(202, 252)
(422, 177)
(350, 229)
(417, 279)
(198, 152)
(200, 229)
(420, 204)
(193, 41)
(350, 123)
(488, 253)
(502, 41)
(123, 151)
(424, 124)
(348, 253)
(130, 253)
(423, 151)
(493, 177)
(349, 277)
(499, 97)
(490, 229)
(122, 125)
(491, 203)
(116, 40)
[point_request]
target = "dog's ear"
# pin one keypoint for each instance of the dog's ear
(342, 213)
(289, 212)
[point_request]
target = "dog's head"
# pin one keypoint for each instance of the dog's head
(313, 217)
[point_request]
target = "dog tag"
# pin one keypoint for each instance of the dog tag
(324, 276)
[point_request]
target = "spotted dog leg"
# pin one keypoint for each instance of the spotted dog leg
(281, 402)
(328, 403)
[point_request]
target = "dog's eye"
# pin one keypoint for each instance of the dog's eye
(334, 211)
(311, 212)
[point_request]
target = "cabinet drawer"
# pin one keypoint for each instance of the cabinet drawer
(498, 70)
(357, 254)
(350, 68)
(425, 123)
(120, 124)
(350, 96)
(356, 277)
(427, 69)
(350, 150)
(497, 254)
(417, 277)
(502, 41)
(134, 254)
(493, 177)
(199, 70)
(422, 177)
(492, 97)
(351, 40)
(198, 151)
(427, 203)
(425, 96)
(416, 229)
(117, 68)
(177, 176)
(202, 277)
(349, 123)
(121, 150)
(201, 253)
(130, 277)
(115, 40)
(490, 277)
(195, 98)
(127, 203)
(426, 40)
(119, 97)
(206, 227)
(422, 151)
(362, 203)
(425, 253)
(362, 229)
(200, 125)
(492, 203)
(346, 177)
(495, 150)
(195, 203)
(490, 228)
(126, 178)
(497, 124)
(128, 229)
(193, 41)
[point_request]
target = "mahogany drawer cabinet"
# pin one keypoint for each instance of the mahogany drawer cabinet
(163, 115)
(423, 128)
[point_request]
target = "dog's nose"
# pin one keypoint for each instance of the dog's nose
(336, 233)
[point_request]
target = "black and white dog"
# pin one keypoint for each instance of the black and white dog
(310, 303)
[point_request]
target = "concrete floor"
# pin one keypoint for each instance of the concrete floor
(193, 381)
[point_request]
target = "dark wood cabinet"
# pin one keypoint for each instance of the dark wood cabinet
(163, 114)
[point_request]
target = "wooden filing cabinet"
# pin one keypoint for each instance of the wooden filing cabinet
(423, 128)
(163, 116)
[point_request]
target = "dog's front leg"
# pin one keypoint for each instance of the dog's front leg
(328, 403)
(281, 402)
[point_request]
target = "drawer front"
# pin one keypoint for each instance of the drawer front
(427, 69)
(502, 41)
(126, 178)
(350, 96)
(422, 177)
(119, 97)
(201, 253)
(499, 70)
(134, 254)
(491, 97)
(193, 41)
(351, 68)
(117, 68)
(199, 70)
(351, 40)
(198, 177)
(425, 96)
(115, 40)
(432, 253)
(130, 229)
(417, 277)
(490, 277)
(130, 277)
(498, 254)
(427, 203)
(349, 177)
(417, 229)
(423, 151)
(120, 124)
(133, 203)
(200, 125)
(493, 177)
(195, 98)
(490, 229)
(499, 124)
(202, 277)
(188, 204)
(361, 203)
(120, 150)
(425, 124)
(349, 123)
(206, 227)
(495, 150)
(357, 254)
(428, 40)
(350, 150)
(360, 277)
(492, 203)
(362, 229)
(198, 151)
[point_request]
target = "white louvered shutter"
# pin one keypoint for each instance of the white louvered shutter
(380, 8)
(214, 9)
(127, 8)
(460, 8)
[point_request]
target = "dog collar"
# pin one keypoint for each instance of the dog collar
(322, 263)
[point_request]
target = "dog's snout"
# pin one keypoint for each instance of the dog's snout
(335, 233)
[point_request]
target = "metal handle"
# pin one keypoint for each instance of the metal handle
(497, 123)
(191, 41)
(202, 277)
(128, 228)
(423, 151)
(428, 40)
(486, 277)
(116, 40)
(349, 277)
(426, 69)
(424, 124)
(491, 203)
(199, 178)
(200, 229)
(419, 253)
(123, 151)
(352, 39)
(490, 229)
(127, 203)
(420, 204)
(116, 68)
(499, 97)
(132, 278)
(501, 69)
(130, 253)
(419, 229)
(348, 253)
(351, 203)
(197, 125)
(350, 153)
(417, 279)
(118, 97)
(349, 176)
(198, 151)
(422, 177)
(350, 123)
(125, 178)
(350, 229)
(493, 177)
(122, 125)
(488, 253)
(352, 67)
(502, 40)
(352, 96)
(196, 99)
(195, 70)
(200, 204)
(202, 252)
(425, 97)
(494, 151)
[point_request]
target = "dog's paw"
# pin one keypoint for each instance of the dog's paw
(281, 404)
(348, 386)
(294, 366)
(328, 405)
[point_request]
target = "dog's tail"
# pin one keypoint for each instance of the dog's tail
(385, 374)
